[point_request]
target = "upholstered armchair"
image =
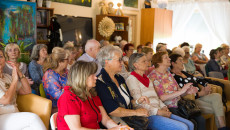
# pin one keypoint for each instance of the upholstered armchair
(35, 104)
(227, 93)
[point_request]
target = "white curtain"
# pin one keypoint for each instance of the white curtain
(217, 17)
(213, 24)
(182, 13)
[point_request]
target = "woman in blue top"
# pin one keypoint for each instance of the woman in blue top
(38, 56)
(112, 89)
(55, 77)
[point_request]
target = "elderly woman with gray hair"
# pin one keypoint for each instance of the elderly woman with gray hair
(112, 89)
(139, 85)
(38, 56)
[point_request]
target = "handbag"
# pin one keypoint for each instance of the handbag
(136, 122)
(188, 108)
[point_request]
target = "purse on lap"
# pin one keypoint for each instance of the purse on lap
(188, 108)
(136, 122)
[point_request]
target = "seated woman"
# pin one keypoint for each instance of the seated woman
(149, 53)
(12, 53)
(79, 107)
(10, 117)
(128, 49)
(167, 88)
(55, 77)
(112, 89)
(208, 102)
(189, 64)
(139, 85)
(38, 56)
(213, 65)
(72, 54)
(197, 57)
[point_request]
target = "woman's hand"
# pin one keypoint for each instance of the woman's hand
(165, 108)
(208, 89)
(192, 90)
(17, 67)
(14, 75)
(143, 100)
(186, 87)
(165, 113)
(30, 81)
(142, 112)
(120, 127)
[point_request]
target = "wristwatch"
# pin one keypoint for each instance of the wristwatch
(23, 76)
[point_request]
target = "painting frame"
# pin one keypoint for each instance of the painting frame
(87, 3)
(129, 6)
(18, 23)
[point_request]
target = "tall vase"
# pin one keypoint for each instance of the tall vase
(39, 2)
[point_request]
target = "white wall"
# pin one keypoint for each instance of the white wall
(75, 10)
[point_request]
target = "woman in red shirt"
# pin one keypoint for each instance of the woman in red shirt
(79, 107)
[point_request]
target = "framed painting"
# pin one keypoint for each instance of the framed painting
(76, 2)
(131, 4)
(18, 23)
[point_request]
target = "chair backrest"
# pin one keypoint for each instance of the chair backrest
(42, 91)
(203, 69)
(53, 121)
(216, 74)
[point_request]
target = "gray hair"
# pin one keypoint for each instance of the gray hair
(90, 44)
(36, 50)
(133, 59)
(186, 48)
(107, 52)
(179, 51)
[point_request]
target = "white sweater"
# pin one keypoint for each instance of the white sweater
(137, 89)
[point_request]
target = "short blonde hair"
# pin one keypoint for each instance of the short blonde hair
(77, 78)
(8, 46)
(58, 55)
(197, 45)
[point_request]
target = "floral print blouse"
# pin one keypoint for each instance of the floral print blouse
(53, 84)
(164, 83)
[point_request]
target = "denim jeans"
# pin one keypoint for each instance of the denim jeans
(173, 123)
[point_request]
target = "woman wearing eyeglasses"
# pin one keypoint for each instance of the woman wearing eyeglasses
(112, 89)
(79, 107)
(55, 76)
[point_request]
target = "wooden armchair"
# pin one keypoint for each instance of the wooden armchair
(35, 104)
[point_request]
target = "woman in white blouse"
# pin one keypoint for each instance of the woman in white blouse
(139, 85)
(10, 117)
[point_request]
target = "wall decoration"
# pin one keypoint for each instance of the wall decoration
(76, 2)
(106, 27)
(131, 3)
(18, 23)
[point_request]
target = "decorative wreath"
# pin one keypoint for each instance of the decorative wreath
(106, 27)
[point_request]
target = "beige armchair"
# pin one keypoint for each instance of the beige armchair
(227, 93)
(35, 104)
(210, 124)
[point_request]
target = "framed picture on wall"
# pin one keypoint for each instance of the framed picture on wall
(131, 4)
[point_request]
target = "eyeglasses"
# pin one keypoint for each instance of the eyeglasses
(120, 59)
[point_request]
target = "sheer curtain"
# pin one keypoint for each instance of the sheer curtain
(217, 17)
(204, 22)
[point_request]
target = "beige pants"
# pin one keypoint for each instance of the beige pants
(211, 103)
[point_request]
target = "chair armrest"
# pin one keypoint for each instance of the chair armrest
(35, 104)
(216, 89)
(226, 86)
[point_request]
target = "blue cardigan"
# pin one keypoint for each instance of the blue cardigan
(212, 65)
(109, 93)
